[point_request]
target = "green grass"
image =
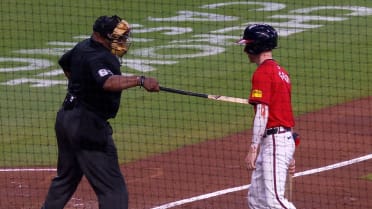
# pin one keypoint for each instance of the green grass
(368, 177)
(328, 65)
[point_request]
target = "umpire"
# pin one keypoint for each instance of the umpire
(84, 137)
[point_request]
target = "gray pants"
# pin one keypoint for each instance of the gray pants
(86, 147)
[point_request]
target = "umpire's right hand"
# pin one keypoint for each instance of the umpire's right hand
(151, 84)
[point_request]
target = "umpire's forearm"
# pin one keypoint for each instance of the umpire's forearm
(119, 82)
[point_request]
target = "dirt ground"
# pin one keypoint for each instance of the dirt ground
(328, 136)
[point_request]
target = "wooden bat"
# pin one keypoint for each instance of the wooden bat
(289, 187)
(207, 96)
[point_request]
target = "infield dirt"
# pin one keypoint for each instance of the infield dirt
(328, 136)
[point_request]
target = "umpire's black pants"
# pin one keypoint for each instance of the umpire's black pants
(86, 147)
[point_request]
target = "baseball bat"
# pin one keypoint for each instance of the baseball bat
(289, 187)
(206, 96)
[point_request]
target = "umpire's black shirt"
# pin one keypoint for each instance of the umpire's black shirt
(90, 64)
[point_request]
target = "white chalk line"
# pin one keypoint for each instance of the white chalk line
(26, 169)
(244, 187)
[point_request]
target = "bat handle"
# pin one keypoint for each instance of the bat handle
(289, 187)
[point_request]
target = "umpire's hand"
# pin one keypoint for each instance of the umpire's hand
(151, 84)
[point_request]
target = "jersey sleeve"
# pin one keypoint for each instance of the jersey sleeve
(65, 61)
(261, 87)
(100, 71)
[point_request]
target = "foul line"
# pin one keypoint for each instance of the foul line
(235, 189)
(26, 169)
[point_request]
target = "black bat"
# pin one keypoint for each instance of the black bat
(206, 96)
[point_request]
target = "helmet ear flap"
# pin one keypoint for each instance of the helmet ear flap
(251, 49)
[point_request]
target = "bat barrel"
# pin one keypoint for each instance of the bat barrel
(178, 91)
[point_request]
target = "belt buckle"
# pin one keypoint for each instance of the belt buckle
(272, 131)
(69, 102)
(283, 129)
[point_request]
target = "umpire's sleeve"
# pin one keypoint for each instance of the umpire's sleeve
(65, 61)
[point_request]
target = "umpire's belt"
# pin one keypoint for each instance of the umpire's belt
(70, 102)
(276, 130)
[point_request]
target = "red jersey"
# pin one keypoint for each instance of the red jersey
(271, 86)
